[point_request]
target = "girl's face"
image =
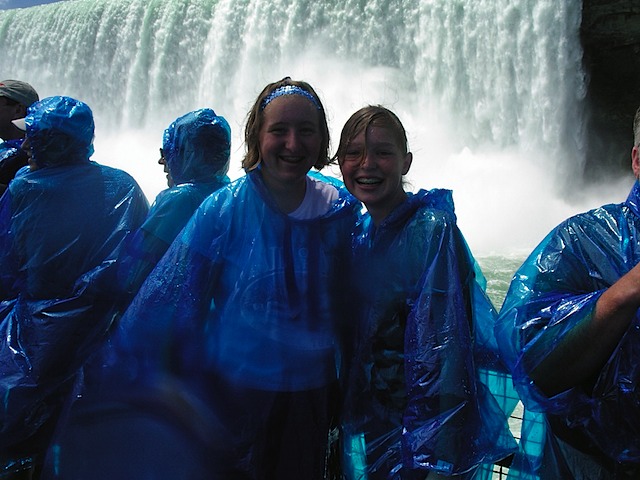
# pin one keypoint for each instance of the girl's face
(289, 140)
(372, 169)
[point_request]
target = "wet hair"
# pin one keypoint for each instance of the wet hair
(371, 116)
(255, 120)
(636, 128)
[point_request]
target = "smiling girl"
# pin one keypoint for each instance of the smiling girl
(415, 407)
(236, 330)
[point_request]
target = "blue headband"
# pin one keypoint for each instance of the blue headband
(289, 90)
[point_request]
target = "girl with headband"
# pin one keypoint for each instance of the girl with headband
(234, 335)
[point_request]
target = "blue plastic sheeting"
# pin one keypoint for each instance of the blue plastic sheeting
(60, 131)
(61, 228)
(553, 291)
(12, 159)
(414, 399)
(261, 285)
(196, 148)
(242, 313)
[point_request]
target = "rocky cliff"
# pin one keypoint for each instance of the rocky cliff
(611, 40)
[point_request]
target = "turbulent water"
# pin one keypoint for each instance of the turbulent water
(499, 270)
(491, 92)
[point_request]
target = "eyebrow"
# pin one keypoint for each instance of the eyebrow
(287, 122)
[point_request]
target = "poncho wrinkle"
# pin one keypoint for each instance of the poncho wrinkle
(415, 275)
(61, 228)
(582, 257)
(229, 292)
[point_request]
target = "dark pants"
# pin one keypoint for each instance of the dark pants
(280, 435)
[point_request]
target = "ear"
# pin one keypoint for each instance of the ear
(635, 160)
(406, 165)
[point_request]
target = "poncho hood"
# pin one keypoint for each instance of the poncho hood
(197, 147)
(60, 130)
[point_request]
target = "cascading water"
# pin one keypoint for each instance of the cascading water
(490, 91)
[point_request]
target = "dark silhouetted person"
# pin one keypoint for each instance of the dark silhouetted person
(62, 225)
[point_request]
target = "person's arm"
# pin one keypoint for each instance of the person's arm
(586, 349)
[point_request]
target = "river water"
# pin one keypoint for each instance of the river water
(499, 270)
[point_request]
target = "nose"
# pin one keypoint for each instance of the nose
(368, 160)
(292, 140)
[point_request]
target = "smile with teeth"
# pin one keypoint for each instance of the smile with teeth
(291, 159)
(368, 181)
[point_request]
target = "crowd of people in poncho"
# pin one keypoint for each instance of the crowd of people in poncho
(289, 324)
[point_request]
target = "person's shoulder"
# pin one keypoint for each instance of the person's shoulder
(433, 206)
(608, 214)
(174, 195)
(322, 192)
(227, 195)
(112, 172)
(342, 201)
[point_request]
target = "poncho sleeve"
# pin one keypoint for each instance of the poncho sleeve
(554, 291)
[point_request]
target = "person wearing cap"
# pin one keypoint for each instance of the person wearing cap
(62, 225)
(195, 154)
(15, 97)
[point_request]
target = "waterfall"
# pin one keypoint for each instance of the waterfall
(491, 91)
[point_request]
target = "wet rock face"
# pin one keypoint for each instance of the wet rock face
(611, 39)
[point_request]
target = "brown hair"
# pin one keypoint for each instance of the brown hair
(255, 119)
(372, 115)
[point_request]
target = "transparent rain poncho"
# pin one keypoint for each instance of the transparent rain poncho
(196, 148)
(414, 399)
(61, 228)
(557, 287)
(12, 159)
(247, 304)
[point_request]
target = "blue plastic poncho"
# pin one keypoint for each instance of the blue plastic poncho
(245, 307)
(196, 148)
(558, 286)
(12, 159)
(414, 401)
(261, 284)
(61, 228)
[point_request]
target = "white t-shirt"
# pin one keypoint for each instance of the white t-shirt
(317, 200)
